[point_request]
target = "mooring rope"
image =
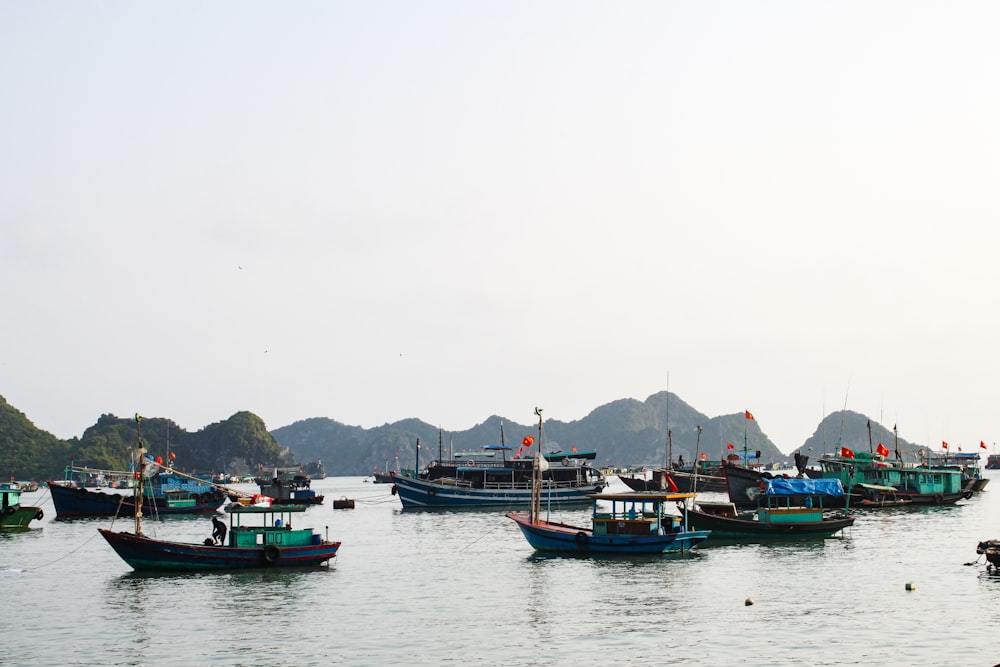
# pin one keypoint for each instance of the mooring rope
(70, 553)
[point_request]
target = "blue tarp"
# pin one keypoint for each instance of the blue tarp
(781, 486)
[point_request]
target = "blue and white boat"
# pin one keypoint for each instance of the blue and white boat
(481, 479)
(634, 524)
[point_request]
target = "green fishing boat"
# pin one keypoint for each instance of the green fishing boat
(14, 515)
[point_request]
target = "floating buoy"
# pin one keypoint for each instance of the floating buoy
(748, 602)
(910, 586)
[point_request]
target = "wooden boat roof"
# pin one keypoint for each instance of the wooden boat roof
(236, 508)
(642, 496)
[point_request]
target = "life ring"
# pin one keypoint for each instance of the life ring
(39, 514)
(271, 554)
(581, 541)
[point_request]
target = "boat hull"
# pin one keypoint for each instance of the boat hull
(18, 517)
(686, 482)
(563, 538)
(724, 527)
(149, 555)
(73, 502)
(425, 494)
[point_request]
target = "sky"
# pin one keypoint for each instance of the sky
(372, 211)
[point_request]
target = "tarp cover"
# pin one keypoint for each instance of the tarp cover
(781, 486)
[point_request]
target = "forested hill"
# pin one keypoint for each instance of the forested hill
(237, 445)
(626, 432)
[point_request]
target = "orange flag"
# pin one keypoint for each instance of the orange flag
(749, 416)
(944, 444)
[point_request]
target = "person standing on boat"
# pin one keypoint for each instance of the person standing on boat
(219, 530)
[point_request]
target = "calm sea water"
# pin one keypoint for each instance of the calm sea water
(460, 588)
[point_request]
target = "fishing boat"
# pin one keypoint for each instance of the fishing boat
(14, 515)
(289, 486)
(482, 481)
(488, 478)
(990, 549)
(917, 483)
(993, 462)
(967, 463)
(635, 524)
(271, 543)
(786, 508)
(165, 493)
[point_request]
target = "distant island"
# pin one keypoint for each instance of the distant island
(624, 433)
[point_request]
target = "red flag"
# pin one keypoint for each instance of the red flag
(882, 450)
(730, 446)
(172, 456)
(944, 444)
(982, 445)
(527, 441)
(704, 456)
(960, 448)
(846, 453)
(749, 416)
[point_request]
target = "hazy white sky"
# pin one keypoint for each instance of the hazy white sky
(370, 211)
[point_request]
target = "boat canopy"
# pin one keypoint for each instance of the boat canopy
(781, 486)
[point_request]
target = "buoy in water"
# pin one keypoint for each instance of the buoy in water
(910, 586)
(748, 602)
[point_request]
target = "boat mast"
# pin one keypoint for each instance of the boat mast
(536, 477)
(440, 445)
(895, 437)
(694, 467)
(870, 450)
(670, 454)
(138, 490)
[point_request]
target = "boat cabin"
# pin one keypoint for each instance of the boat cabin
(636, 513)
(10, 495)
(792, 500)
(275, 526)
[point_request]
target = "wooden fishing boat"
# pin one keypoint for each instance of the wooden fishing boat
(919, 484)
(776, 515)
(965, 462)
(990, 549)
(14, 515)
(480, 479)
(166, 493)
(637, 523)
(272, 543)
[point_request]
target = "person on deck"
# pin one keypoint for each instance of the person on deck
(218, 530)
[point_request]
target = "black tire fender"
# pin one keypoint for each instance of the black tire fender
(272, 554)
(39, 514)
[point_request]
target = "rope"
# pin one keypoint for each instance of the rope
(38, 567)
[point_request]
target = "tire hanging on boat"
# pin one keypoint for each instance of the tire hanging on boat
(39, 514)
(271, 554)
(581, 541)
